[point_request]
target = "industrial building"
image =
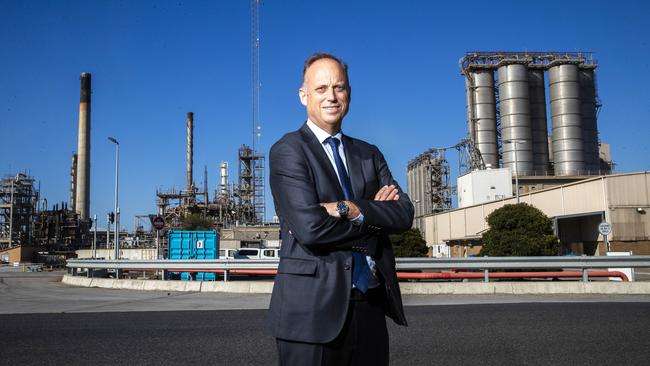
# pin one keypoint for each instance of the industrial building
(512, 155)
(623, 200)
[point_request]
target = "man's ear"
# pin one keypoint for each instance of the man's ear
(303, 96)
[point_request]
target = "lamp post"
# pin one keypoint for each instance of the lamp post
(116, 236)
(95, 236)
(515, 142)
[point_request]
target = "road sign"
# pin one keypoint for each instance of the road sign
(158, 222)
(605, 228)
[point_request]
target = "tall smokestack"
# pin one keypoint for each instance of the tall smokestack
(190, 147)
(73, 183)
(224, 179)
(82, 201)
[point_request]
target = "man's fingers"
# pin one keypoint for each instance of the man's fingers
(392, 194)
(385, 190)
(386, 193)
(380, 193)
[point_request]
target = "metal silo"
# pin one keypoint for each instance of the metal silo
(538, 120)
(589, 126)
(566, 119)
(482, 115)
(516, 131)
(469, 108)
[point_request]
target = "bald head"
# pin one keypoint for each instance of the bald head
(320, 56)
(325, 92)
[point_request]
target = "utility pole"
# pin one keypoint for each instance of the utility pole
(108, 230)
(255, 67)
(95, 237)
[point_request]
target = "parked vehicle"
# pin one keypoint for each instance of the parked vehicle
(227, 253)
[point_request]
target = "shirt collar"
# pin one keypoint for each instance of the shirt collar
(321, 134)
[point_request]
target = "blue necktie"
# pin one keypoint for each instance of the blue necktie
(360, 271)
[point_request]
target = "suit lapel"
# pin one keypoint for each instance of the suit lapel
(323, 161)
(355, 171)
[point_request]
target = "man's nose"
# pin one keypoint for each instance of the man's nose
(331, 94)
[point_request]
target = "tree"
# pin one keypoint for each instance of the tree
(196, 222)
(409, 244)
(519, 230)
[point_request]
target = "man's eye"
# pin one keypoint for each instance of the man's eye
(321, 89)
(339, 88)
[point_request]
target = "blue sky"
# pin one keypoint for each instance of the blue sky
(153, 61)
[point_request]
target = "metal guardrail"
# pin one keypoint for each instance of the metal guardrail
(582, 262)
(484, 264)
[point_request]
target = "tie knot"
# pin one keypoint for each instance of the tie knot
(333, 141)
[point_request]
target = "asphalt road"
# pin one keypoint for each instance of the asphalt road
(485, 334)
(43, 322)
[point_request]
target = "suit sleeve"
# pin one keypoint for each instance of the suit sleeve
(388, 216)
(297, 203)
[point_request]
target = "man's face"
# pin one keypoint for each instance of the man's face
(326, 94)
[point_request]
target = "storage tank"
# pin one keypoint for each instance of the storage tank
(538, 122)
(469, 108)
(514, 106)
(415, 189)
(589, 125)
(481, 107)
(566, 120)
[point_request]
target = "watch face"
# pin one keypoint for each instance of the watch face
(342, 208)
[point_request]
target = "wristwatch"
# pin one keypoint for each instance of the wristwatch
(343, 209)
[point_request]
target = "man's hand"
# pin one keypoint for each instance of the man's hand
(331, 210)
(387, 193)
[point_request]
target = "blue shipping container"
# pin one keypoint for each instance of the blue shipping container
(194, 244)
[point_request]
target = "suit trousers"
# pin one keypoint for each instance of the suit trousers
(363, 339)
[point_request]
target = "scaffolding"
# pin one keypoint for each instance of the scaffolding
(251, 206)
(429, 182)
(491, 60)
(18, 202)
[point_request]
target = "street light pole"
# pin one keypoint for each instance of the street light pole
(116, 236)
(108, 232)
(95, 237)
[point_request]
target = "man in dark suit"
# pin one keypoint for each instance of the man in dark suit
(337, 202)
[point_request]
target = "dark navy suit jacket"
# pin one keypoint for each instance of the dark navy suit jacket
(312, 288)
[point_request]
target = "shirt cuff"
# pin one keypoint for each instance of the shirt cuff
(358, 221)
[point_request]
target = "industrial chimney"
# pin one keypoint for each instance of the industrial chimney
(224, 179)
(82, 201)
(190, 133)
(73, 182)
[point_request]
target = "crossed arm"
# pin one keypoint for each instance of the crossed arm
(314, 223)
(385, 193)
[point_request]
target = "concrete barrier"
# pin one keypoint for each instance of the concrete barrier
(77, 281)
(408, 288)
(242, 287)
(257, 287)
